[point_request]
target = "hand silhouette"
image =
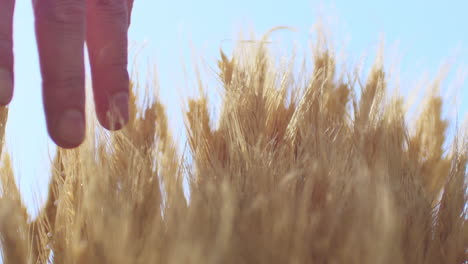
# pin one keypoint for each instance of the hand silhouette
(62, 27)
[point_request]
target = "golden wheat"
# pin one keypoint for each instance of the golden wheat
(291, 173)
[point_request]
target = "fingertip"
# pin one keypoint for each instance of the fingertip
(6, 87)
(118, 110)
(69, 130)
(117, 114)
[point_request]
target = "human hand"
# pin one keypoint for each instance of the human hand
(62, 27)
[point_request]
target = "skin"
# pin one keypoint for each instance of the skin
(62, 28)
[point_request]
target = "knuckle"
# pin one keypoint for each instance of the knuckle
(69, 91)
(61, 11)
(113, 12)
(112, 57)
(69, 11)
(112, 7)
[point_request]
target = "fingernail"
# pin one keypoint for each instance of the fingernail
(6, 87)
(118, 109)
(71, 128)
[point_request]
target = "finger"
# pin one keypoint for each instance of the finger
(106, 39)
(129, 10)
(6, 50)
(60, 32)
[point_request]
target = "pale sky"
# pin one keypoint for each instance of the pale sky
(420, 36)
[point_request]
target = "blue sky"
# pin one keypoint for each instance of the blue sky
(419, 36)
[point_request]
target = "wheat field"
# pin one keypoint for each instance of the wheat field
(298, 168)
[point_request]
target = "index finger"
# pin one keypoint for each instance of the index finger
(60, 33)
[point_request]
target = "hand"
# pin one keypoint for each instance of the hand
(62, 27)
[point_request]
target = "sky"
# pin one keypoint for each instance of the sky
(419, 37)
